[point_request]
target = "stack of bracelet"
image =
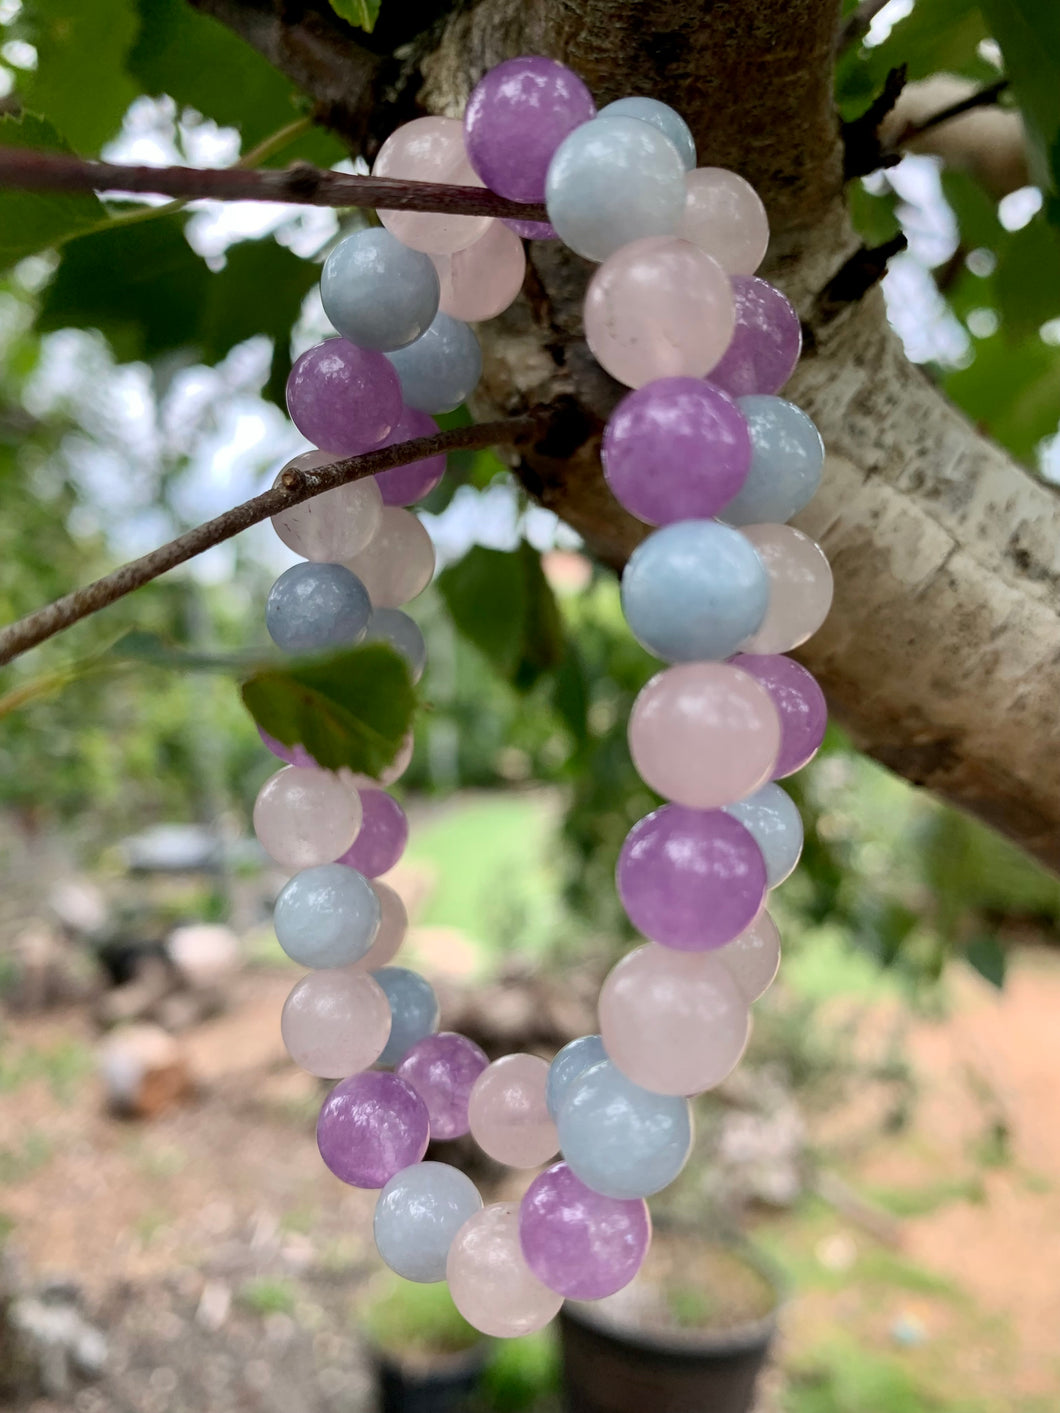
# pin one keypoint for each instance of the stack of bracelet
(703, 449)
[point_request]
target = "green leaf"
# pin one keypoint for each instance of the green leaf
(976, 212)
(1027, 279)
(36, 220)
(1028, 32)
(570, 694)
(1011, 392)
(362, 13)
(352, 708)
(987, 956)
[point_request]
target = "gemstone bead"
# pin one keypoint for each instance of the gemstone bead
(580, 1244)
(800, 703)
(419, 1212)
(335, 1022)
(668, 120)
(442, 1069)
(481, 281)
(390, 625)
(382, 837)
(329, 527)
(413, 1010)
(304, 817)
(753, 958)
(491, 1284)
(343, 399)
(787, 458)
(372, 1126)
(441, 369)
(724, 216)
(771, 817)
(800, 588)
(393, 924)
(312, 606)
(398, 561)
(402, 485)
(766, 340)
(430, 150)
(377, 292)
(574, 1059)
(326, 916)
(508, 1114)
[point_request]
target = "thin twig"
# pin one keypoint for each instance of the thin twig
(295, 487)
(981, 98)
(300, 184)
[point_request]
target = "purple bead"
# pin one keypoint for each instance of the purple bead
(406, 484)
(370, 1127)
(676, 449)
(766, 342)
(800, 703)
(689, 880)
(293, 755)
(382, 837)
(516, 117)
(531, 230)
(442, 1069)
(579, 1243)
(345, 400)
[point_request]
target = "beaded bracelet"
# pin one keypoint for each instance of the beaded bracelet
(703, 449)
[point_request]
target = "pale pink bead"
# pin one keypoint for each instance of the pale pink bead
(430, 150)
(393, 924)
(335, 1022)
(673, 1022)
(753, 958)
(397, 562)
(508, 1114)
(491, 1284)
(481, 281)
(330, 527)
(704, 734)
(394, 771)
(658, 308)
(304, 817)
(725, 217)
(800, 588)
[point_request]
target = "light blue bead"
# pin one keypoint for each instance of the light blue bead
(327, 916)
(574, 1059)
(668, 120)
(442, 368)
(390, 625)
(694, 590)
(314, 606)
(621, 1140)
(377, 292)
(417, 1215)
(787, 457)
(612, 181)
(414, 1011)
(770, 814)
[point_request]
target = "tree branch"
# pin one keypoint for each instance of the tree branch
(296, 486)
(300, 184)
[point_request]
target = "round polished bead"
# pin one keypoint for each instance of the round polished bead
(382, 837)
(622, 1140)
(390, 625)
(414, 1010)
(491, 1284)
(676, 449)
(673, 1022)
(613, 181)
(753, 958)
(441, 369)
(800, 703)
(335, 1022)
(397, 563)
(326, 916)
(312, 606)
(766, 340)
(329, 527)
(377, 292)
(393, 924)
(574, 1059)
(658, 308)
(772, 818)
(580, 1244)
(800, 588)
(724, 216)
(481, 281)
(508, 1114)
(292, 755)
(531, 230)
(304, 817)
(516, 117)
(419, 1212)
(372, 1126)
(343, 399)
(689, 879)
(429, 150)
(704, 734)
(668, 120)
(442, 1069)
(694, 591)
(787, 459)
(403, 485)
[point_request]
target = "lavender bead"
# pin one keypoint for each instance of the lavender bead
(406, 484)
(668, 120)
(293, 755)
(442, 1069)
(531, 230)
(413, 1010)
(382, 837)
(390, 625)
(344, 400)
(770, 816)
(577, 1242)
(691, 879)
(370, 1127)
(516, 117)
(315, 606)
(676, 449)
(574, 1059)
(766, 343)
(800, 705)
(442, 368)
(787, 458)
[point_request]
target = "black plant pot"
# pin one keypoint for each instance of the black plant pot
(442, 1387)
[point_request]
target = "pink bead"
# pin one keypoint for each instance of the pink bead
(335, 1022)
(393, 925)
(658, 308)
(753, 958)
(725, 217)
(800, 587)
(430, 150)
(673, 1022)
(491, 1284)
(704, 734)
(397, 563)
(304, 817)
(406, 484)
(382, 837)
(481, 281)
(330, 527)
(508, 1114)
